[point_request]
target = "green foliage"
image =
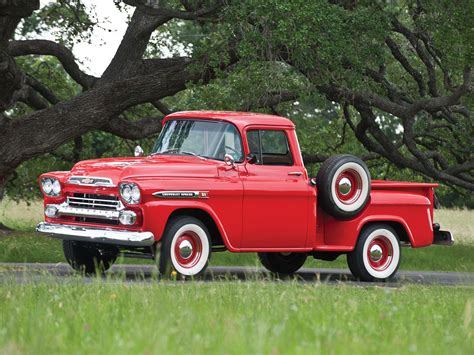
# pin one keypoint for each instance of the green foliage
(327, 41)
(69, 22)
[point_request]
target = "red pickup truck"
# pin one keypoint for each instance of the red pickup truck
(230, 181)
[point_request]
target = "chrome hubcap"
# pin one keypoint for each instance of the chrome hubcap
(345, 186)
(375, 253)
(185, 249)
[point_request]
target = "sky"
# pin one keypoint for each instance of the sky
(96, 57)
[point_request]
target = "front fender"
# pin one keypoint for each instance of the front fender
(157, 213)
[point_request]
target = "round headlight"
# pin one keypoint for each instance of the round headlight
(135, 194)
(56, 187)
(51, 186)
(47, 186)
(130, 193)
(127, 193)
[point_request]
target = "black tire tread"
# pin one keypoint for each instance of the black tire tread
(86, 259)
(275, 263)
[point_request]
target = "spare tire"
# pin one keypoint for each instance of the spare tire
(343, 183)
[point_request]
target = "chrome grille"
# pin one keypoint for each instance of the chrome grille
(93, 201)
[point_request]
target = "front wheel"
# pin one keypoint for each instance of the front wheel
(186, 248)
(377, 254)
(282, 263)
(89, 258)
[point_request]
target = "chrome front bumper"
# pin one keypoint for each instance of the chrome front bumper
(96, 235)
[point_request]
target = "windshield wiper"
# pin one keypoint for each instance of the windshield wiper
(192, 153)
(177, 151)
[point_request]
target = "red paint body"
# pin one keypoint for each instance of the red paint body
(255, 207)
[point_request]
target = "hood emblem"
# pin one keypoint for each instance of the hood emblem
(87, 181)
(181, 194)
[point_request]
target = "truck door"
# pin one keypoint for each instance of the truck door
(276, 193)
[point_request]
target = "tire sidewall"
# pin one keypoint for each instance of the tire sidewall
(361, 201)
(168, 261)
(358, 259)
(326, 186)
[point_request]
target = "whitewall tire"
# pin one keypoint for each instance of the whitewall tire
(186, 247)
(343, 183)
(377, 254)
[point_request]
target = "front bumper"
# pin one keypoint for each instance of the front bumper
(96, 235)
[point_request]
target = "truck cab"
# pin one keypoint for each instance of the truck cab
(231, 181)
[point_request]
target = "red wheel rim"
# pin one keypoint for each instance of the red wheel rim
(380, 253)
(188, 249)
(348, 186)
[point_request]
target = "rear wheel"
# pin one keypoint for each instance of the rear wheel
(282, 263)
(377, 254)
(186, 248)
(89, 258)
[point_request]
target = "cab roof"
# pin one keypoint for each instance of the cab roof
(240, 119)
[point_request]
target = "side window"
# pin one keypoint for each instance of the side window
(270, 146)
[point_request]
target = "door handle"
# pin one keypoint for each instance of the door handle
(296, 173)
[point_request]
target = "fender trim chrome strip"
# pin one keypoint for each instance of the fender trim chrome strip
(181, 194)
(96, 235)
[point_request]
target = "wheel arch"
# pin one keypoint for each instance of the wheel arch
(399, 225)
(216, 232)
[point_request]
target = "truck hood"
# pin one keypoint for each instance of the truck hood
(122, 169)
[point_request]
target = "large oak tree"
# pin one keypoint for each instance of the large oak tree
(400, 74)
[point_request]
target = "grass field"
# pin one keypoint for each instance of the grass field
(234, 318)
(230, 317)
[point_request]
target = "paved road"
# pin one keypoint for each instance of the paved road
(61, 272)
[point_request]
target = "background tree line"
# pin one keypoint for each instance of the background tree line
(388, 81)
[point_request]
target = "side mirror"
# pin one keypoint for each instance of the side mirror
(312, 181)
(139, 151)
(229, 160)
(251, 158)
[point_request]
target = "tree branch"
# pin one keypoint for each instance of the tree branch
(42, 89)
(159, 105)
(201, 14)
(269, 100)
(64, 55)
(397, 54)
(128, 129)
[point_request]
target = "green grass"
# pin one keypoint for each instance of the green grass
(29, 247)
(251, 317)
(234, 318)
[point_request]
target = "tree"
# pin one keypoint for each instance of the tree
(405, 67)
(128, 81)
(398, 73)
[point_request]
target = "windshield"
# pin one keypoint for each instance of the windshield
(208, 139)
